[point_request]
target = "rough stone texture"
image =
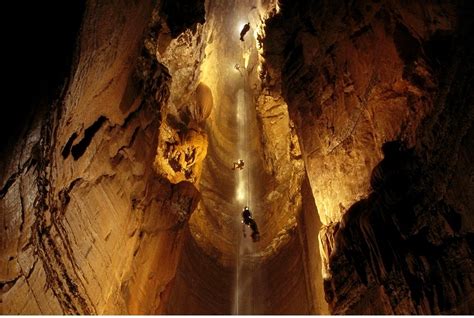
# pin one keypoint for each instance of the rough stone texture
(97, 197)
(202, 284)
(251, 279)
(180, 154)
(309, 225)
(182, 142)
(88, 227)
(361, 72)
(356, 75)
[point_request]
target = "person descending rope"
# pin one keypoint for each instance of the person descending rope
(244, 31)
(248, 221)
(238, 165)
(239, 69)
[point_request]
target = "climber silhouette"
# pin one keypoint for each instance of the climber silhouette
(248, 221)
(239, 69)
(244, 31)
(238, 165)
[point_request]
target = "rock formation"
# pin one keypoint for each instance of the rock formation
(357, 76)
(88, 226)
(355, 123)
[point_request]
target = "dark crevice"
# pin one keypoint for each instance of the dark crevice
(33, 84)
(80, 148)
(8, 184)
(11, 180)
(438, 49)
(6, 285)
(22, 210)
(408, 47)
(67, 147)
(64, 196)
(383, 225)
(182, 15)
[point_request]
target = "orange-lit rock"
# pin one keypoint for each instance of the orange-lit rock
(117, 192)
(89, 227)
(364, 81)
(252, 282)
(202, 108)
(180, 154)
(356, 75)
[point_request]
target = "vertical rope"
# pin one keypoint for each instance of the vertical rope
(246, 121)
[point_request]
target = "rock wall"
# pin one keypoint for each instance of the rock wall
(356, 76)
(88, 226)
(309, 225)
(202, 286)
(360, 125)
(220, 271)
(96, 198)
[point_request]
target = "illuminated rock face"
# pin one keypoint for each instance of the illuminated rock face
(120, 198)
(220, 271)
(356, 76)
(88, 226)
(117, 167)
(180, 154)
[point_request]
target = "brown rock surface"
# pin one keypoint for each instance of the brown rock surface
(179, 155)
(89, 228)
(251, 279)
(360, 72)
(119, 197)
(356, 75)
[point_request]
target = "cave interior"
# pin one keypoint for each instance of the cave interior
(138, 131)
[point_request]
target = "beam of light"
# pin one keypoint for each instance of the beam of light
(240, 25)
(241, 194)
(240, 191)
(246, 57)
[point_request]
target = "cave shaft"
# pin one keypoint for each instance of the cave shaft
(354, 120)
(234, 130)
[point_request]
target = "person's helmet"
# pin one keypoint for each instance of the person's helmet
(246, 208)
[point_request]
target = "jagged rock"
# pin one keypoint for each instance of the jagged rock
(396, 244)
(356, 75)
(180, 154)
(88, 219)
(119, 197)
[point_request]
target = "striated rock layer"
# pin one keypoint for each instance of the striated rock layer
(96, 198)
(88, 226)
(395, 237)
(248, 121)
(355, 122)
